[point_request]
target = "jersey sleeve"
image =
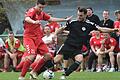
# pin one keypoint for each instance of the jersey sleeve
(6, 44)
(94, 26)
(113, 42)
(116, 24)
(68, 24)
(30, 13)
(91, 41)
(46, 16)
(17, 44)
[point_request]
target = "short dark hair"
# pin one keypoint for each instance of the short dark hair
(11, 32)
(107, 11)
(90, 8)
(41, 2)
(117, 12)
(82, 10)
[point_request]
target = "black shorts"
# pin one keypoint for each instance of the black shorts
(69, 51)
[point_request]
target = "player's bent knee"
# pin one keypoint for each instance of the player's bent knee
(58, 58)
(30, 57)
(111, 53)
(6, 55)
(79, 57)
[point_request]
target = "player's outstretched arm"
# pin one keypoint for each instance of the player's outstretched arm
(59, 30)
(106, 29)
(60, 19)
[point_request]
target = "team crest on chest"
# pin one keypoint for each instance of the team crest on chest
(83, 28)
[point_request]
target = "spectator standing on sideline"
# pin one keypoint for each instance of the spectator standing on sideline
(106, 22)
(91, 16)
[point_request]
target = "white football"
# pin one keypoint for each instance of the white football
(48, 74)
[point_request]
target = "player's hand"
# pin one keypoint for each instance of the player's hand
(36, 22)
(13, 50)
(92, 32)
(12, 56)
(103, 41)
(116, 29)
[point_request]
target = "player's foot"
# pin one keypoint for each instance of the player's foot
(93, 70)
(99, 70)
(33, 75)
(118, 70)
(81, 70)
(21, 78)
(63, 77)
(112, 70)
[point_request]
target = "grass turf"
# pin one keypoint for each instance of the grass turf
(73, 76)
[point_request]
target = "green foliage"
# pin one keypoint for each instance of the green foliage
(2, 15)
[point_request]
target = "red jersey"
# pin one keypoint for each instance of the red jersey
(110, 42)
(117, 49)
(93, 34)
(53, 26)
(96, 43)
(34, 30)
(117, 24)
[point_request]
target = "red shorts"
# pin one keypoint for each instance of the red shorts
(35, 46)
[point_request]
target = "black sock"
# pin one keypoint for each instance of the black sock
(65, 69)
(46, 66)
(72, 68)
(14, 69)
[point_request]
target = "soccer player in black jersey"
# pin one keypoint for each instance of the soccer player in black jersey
(78, 36)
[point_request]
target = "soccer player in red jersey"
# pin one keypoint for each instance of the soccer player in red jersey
(33, 37)
(50, 41)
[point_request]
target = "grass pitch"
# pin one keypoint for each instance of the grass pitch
(73, 76)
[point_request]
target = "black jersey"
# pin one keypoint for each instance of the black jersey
(94, 18)
(109, 23)
(79, 32)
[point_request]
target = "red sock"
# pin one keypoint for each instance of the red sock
(39, 65)
(33, 65)
(25, 67)
(20, 65)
